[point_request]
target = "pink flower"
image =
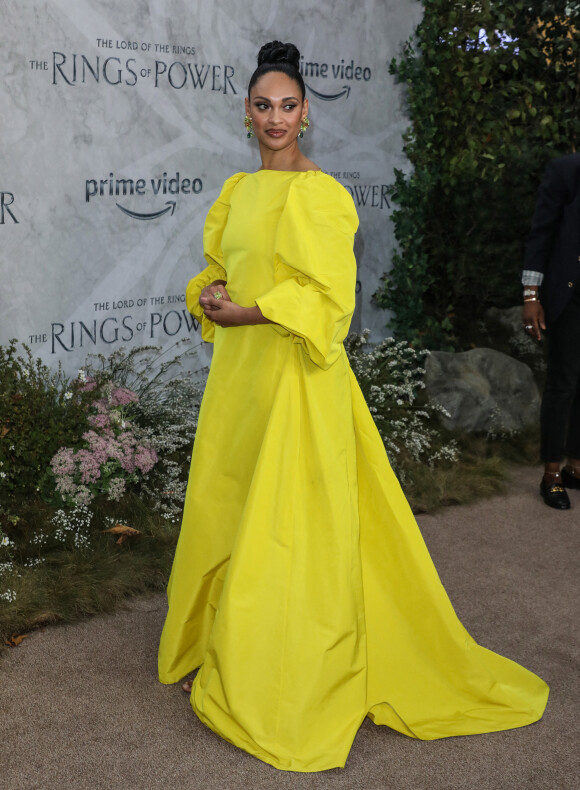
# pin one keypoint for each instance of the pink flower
(89, 467)
(145, 459)
(100, 420)
(128, 463)
(121, 396)
(127, 440)
(98, 445)
(109, 441)
(126, 444)
(101, 405)
(62, 462)
(66, 485)
(115, 449)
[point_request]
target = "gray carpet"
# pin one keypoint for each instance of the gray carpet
(82, 708)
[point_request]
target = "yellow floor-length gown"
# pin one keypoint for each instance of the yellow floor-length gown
(301, 585)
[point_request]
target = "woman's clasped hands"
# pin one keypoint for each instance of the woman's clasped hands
(219, 308)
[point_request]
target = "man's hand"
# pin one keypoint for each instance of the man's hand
(533, 319)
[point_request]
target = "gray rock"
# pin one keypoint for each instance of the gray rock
(482, 390)
(521, 345)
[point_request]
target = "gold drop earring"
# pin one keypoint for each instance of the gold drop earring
(249, 127)
(304, 126)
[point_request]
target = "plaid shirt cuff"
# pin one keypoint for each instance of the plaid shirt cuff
(532, 278)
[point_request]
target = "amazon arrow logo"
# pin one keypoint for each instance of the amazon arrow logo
(330, 96)
(136, 215)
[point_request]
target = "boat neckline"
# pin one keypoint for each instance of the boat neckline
(269, 170)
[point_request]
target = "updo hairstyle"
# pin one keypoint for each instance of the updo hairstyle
(276, 56)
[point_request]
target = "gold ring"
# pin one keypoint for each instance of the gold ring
(217, 295)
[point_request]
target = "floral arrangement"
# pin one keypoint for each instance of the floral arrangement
(163, 416)
(124, 424)
(113, 456)
(80, 456)
(391, 375)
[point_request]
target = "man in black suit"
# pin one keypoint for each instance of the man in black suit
(551, 280)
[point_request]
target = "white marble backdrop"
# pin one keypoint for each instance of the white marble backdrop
(120, 121)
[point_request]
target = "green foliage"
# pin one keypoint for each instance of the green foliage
(39, 411)
(125, 422)
(486, 115)
(56, 562)
(78, 571)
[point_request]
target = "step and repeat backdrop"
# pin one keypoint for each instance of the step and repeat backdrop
(120, 122)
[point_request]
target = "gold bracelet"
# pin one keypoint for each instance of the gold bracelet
(531, 300)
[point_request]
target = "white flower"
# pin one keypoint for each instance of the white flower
(67, 395)
(82, 376)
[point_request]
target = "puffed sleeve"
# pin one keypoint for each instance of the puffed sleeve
(212, 246)
(315, 268)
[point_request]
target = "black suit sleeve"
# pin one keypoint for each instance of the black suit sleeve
(553, 195)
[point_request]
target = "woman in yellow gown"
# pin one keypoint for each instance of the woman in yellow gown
(301, 586)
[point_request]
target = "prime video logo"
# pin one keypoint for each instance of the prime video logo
(114, 187)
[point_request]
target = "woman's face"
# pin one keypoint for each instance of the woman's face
(276, 109)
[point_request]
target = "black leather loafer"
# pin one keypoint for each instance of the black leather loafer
(569, 480)
(555, 495)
